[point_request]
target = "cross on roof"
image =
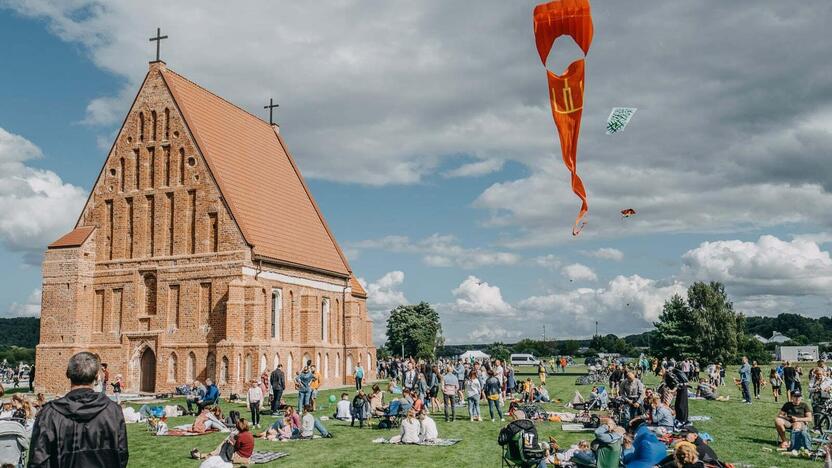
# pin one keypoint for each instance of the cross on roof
(271, 107)
(158, 40)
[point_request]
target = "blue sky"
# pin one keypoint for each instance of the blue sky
(426, 138)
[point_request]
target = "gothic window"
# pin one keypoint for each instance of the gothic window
(326, 365)
(167, 123)
(276, 360)
(325, 320)
(337, 364)
(153, 123)
(289, 366)
(211, 366)
(98, 313)
(263, 363)
(215, 234)
(224, 370)
(191, 370)
(141, 126)
(121, 175)
(172, 367)
(150, 294)
(247, 374)
(277, 306)
(181, 166)
(173, 306)
(192, 220)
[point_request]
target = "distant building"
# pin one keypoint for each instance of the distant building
(797, 353)
(760, 339)
(778, 337)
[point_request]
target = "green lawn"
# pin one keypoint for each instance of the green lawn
(743, 435)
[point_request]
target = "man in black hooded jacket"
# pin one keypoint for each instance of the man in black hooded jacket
(84, 428)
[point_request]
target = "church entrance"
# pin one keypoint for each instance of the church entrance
(148, 371)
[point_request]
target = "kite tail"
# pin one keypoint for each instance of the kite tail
(578, 189)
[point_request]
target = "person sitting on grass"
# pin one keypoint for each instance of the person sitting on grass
(428, 431)
(377, 401)
(162, 426)
(541, 395)
(289, 424)
(685, 456)
(309, 423)
(661, 415)
(342, 408)
(794, 415)
(281, 432)
(240, 445)
(410, 428)
(209, 419)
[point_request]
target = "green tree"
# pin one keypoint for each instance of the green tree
(704, 326)
(568, 347)
(498, 351)
(416, 329)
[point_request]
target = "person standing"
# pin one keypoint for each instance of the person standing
(316, 383)
(253, 400)
(745, 380)
(473, 389)
(632, 390)
(410, 375)
(84, 428)
(359, 376)
(303, 381)
(105, 378)
(450, 387)
(278, 382)
(493, 393)
(756, 379)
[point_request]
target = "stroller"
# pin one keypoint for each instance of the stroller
(392, 416)
(520, 445)
(14, 441)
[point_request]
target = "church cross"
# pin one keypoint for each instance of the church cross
(271, 107)
(158, 40)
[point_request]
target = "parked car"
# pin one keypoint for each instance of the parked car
(805, 356)
(524, 360)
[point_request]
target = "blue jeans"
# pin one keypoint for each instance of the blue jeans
(494, 404)
(320, 427)
(473, 407)
(304, 398)
(746, 395)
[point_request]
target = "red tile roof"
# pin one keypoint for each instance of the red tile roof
(74, 238)
(258, 179)
(357, 289)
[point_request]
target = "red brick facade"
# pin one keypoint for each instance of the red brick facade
(166, 288)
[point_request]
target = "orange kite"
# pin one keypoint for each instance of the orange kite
(566, 92)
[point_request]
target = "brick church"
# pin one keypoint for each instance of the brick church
(200, 253)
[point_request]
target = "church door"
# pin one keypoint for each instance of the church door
(148, 371)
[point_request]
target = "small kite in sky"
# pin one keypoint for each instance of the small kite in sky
(626, 213)
(566, 92)
(619, 118)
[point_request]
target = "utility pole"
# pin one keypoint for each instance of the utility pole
(596, 328)
(544, 332)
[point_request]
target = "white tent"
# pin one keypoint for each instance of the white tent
(474, 354)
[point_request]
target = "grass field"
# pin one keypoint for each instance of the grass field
(743, 434)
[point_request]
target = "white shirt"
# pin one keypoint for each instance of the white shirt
(429, 430)
(499, 372)
(255, 395)
(161, 428)
(343, 410)
(410, 431)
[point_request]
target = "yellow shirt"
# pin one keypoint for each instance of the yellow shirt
(317, 381)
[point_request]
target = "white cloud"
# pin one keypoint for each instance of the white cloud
(440, 251)
(30, 308)
(605, 253)
(769, 266)
(579, 272)
(489, 333)
(37, 205)
(475, 169)
(550, 262)
(477, 297)
(383, 295)
(626, 304)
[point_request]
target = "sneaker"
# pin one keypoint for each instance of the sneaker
(328, 436)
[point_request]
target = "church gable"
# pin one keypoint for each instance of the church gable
(155, 195)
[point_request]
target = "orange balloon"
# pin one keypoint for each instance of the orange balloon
(566, 92)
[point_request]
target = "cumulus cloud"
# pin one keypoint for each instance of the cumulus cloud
(605, 253)
(475, 169)
(30, 308)
(37, 205)
(768, 266)
(626, 304)
(440, 251)
(489, 333)
(579, 272)
(383, 295)
(476, 297)
(550, 262)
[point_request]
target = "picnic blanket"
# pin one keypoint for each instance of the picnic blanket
(699, 418)
(433, 443)
(185, 431)
(576, 428)
(258, 458)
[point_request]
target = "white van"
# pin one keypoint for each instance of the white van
(524, 360)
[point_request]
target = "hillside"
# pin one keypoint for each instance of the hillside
(21, 331)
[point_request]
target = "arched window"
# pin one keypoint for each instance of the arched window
(289, 373)
(305, 361)
(291, 331)
(211, 366)
(153, 123)
(277, 306)
(325, 320)
(318, 362)
(276, 360)
(337, 364)
(172, 367)
(369, 362)
(263, 363)
(338, 315)
(224, 370)
(247, 373)
(326, 365)
(191, 372)
(150, 294)
(238, 364)
(167, 123)
(141, 126)
(349, 365)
